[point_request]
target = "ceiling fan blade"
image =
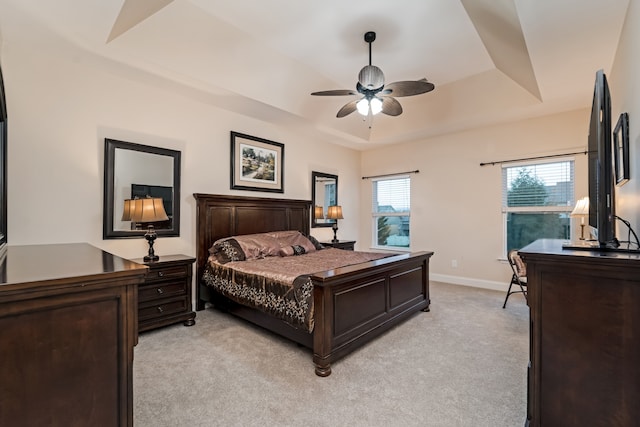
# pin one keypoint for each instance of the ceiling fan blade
(408, 88)
(391, 106)
(348, 108)
(337, 92)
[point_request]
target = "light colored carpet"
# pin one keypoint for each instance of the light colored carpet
(462, 364)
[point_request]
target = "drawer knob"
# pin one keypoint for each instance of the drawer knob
(160, 310)
(160, 273)
(160, 291)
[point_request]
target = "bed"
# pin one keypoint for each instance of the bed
(352, 305)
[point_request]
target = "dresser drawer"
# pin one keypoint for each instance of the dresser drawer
(167, 272)
(161, 290)
(164, 308)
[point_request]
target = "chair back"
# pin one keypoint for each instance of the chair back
(517, 264)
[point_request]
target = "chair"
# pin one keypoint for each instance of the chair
(519, 276)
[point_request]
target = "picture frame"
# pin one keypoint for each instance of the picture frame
(621, 149)
(257, 164)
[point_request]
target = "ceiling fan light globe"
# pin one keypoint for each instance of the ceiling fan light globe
(371, 77)
(363, 106)
(376, 105)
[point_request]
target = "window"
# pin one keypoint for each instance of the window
(391, 212)
(537, 200)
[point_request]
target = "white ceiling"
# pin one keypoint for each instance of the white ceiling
(491, 61)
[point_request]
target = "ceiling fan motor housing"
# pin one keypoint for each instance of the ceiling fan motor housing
(371, 77)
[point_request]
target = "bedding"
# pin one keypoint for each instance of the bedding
(279, 285)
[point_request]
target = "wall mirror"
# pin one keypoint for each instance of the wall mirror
(137, 171)
(324, 193)
(3, 166)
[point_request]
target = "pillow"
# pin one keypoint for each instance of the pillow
(315, 242)
(293, 238)
(292, 250)
(226, 250)
(257, 246)
(261, 245)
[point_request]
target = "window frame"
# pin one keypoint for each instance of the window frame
(505, 209)
(375, 215)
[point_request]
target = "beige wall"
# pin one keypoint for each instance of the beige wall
(456, 203)
(624, 82)
(61, 107)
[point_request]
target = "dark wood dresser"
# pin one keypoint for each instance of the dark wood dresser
(68, 325)
(165, 296)
(584, 367)
(348, 245)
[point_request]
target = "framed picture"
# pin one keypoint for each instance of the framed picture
(621, 148)
(257, 164)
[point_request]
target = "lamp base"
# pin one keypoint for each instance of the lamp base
(151, 235)
(335, 231)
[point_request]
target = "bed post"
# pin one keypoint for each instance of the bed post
(322, 330)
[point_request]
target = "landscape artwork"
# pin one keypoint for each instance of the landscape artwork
(256, 164)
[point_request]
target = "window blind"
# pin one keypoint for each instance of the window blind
(541, 184)
(392, 195)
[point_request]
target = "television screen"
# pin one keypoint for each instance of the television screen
(601, 177)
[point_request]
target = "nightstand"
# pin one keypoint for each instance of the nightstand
(342, 244)
(165, 296)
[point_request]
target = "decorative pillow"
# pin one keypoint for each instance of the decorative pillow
(227, 250)
(257, 246)
(315, 242)
(294, 238)
(292, 250)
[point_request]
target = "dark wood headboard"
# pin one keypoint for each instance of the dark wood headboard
(219, 216)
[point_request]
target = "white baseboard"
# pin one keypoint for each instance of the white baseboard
(466, 281)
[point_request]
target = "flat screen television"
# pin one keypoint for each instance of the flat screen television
(602, 215)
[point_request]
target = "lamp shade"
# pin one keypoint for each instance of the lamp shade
(581, 208)
(147, 210)
(334, 212)
(128, 210)
(318, 212)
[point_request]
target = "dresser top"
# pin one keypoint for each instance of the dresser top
(543, 248)
(43, 263)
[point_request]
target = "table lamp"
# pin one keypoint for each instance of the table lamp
(581, 211)
(335, 213)
(147, 210)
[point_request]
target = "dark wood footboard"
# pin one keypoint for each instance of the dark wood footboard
(355, 304)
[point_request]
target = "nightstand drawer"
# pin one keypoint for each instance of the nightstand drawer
(167, 272)
(165, 296)
(164, 308)
(158, 290)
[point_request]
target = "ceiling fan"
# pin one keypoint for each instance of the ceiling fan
(376, 96)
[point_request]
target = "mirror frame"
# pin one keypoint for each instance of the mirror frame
(110, 146)
(314, 176)
(3, 166)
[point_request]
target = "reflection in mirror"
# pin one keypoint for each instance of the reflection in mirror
(138, 171)
(324, 193)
